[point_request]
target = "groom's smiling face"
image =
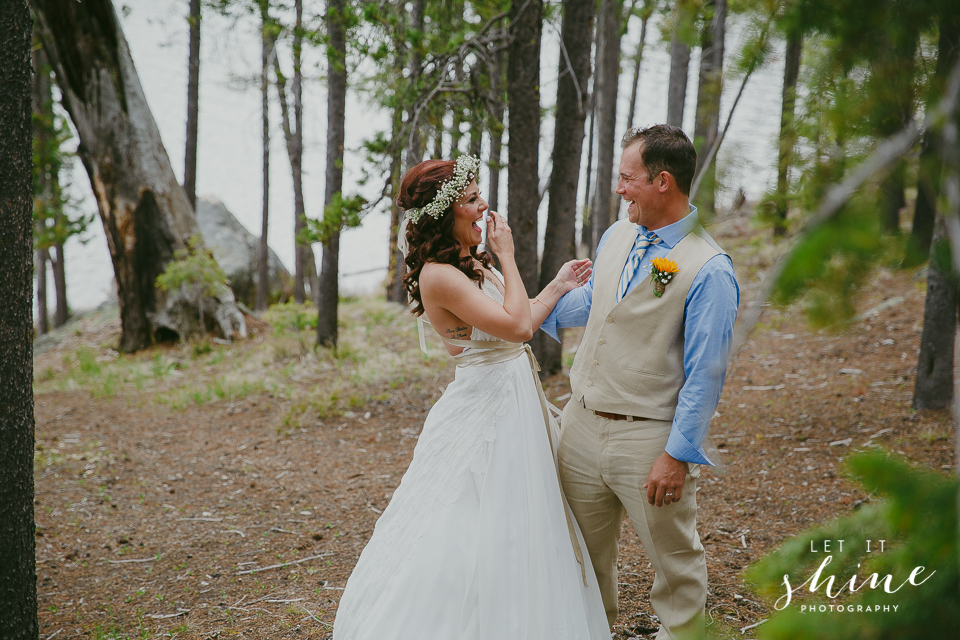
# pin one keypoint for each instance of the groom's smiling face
(636, 188)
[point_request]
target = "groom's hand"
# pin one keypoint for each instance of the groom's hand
(664, 485)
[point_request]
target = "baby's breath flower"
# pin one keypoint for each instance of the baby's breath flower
(465, 172)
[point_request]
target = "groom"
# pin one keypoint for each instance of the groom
(647, 378)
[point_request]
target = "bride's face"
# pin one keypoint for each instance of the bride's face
(468, 214)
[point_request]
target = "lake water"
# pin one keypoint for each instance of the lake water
(229, 153)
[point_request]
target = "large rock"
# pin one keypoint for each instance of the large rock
(238, 252)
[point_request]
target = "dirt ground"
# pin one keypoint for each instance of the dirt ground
(208, 490)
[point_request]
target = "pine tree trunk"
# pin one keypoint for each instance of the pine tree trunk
(788, 133)
(476, 133)
(934, 384)
(637, 59)
(414, 147)
(193, 105)
(677, 85)
(523, 99)
(42, 114)
(934, 387)
(396, 268)
(18, 577)
(144, 210)
(42, 257)
(457, 117)
(930, 165)
(266, 42)
(329, 293)
(496, 153)
(305, 267)
(605, 88)
(559, 241)
(892, 76)
(496, 133)
(62, 312)
(586, 228)
(710, 87)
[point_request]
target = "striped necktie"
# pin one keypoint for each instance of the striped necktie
(633, 263)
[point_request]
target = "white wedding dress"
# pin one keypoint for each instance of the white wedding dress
(476, 543)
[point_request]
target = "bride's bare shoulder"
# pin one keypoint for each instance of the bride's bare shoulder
(437, 274)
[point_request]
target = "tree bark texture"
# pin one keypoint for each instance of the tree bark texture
(586, 228)
(707, 121)
(788, 132)
(930, 164)
(47, 182)
(42, 257)
(677, 84)
(934, 384)
(18, 578)
(637, 59)
(523, 99)
(329, 293)
(266, 47)
(605, 88)
(891, 85)
(60, 286)
(144, 210)
(396, 268)
(559, 242)
(414, 144)
(496, 133)
(305, 262)
(42, 113)
(193, 105)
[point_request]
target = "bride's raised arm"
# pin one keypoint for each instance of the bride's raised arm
(447, 287)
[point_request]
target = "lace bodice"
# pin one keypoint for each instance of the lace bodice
(491, 290)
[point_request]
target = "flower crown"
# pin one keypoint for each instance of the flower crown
(466, 170)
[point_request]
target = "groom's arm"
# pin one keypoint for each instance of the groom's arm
(710, 313)
(573, 309)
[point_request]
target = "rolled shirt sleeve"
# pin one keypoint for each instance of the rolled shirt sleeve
(709, 316)
(572, 310)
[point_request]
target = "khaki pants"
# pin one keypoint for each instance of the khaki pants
(603, 466)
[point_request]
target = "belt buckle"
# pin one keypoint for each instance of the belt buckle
(629, 418)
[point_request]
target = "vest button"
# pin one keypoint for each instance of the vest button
(609, 320)
(596, 362)
(602, 341)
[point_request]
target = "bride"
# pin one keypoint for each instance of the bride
(477, 542)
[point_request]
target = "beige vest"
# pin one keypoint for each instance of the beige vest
(631, 358)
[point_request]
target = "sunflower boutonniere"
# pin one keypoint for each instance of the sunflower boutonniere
(661, 273)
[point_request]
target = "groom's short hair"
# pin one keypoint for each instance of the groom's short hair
(667, 148)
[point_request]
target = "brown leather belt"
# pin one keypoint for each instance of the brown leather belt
(615, 416)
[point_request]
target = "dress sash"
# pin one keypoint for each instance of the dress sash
(487, 352)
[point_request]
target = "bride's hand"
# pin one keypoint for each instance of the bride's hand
(499, 235)
(574, 274)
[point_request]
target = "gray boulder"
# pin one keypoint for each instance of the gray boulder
(237, 251)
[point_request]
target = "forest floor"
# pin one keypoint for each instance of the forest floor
(207, 490)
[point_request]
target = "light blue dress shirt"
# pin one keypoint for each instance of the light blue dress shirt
(710, 311)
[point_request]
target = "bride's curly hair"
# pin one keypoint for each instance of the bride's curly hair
(431, 239)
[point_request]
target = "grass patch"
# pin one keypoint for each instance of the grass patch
(377, 351)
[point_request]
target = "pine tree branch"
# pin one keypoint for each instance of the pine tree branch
(880, 161)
